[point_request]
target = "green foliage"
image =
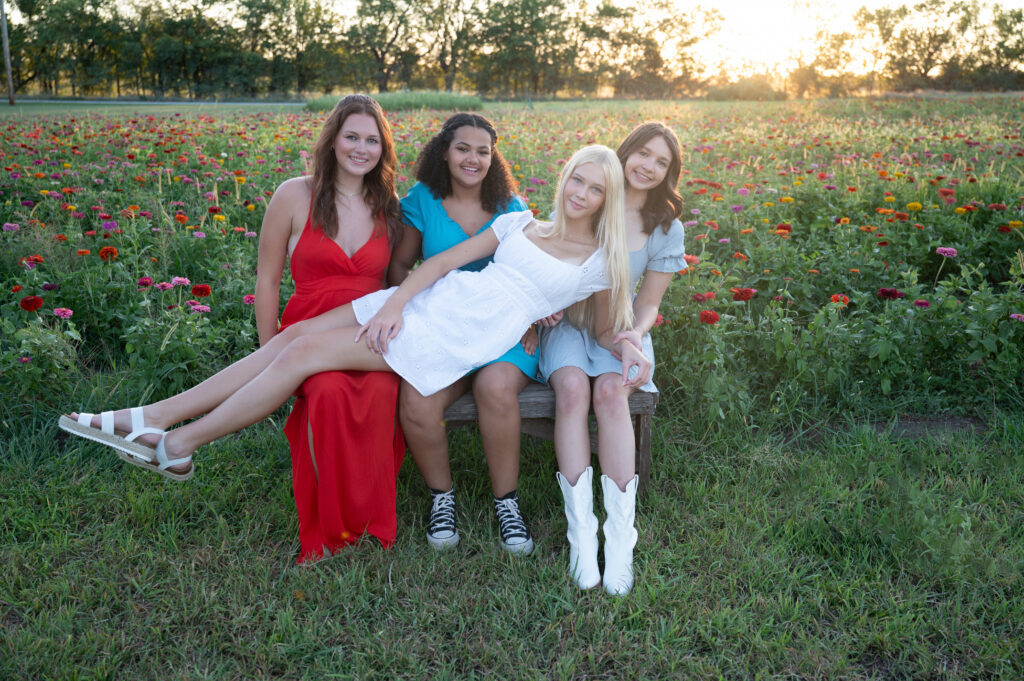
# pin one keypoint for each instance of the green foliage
(409, 101)
(39, 360)
(751, 88)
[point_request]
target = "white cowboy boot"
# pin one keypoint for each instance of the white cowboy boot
(619, 535)
(582, 532)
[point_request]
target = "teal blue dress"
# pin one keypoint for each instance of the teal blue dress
(424, 212)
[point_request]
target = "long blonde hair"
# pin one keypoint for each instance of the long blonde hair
(609, 224)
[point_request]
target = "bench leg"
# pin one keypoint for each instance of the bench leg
(642, 425)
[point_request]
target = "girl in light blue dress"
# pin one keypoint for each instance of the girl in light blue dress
(580, 370)
(463, 185)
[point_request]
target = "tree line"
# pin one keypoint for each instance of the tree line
(524, 48)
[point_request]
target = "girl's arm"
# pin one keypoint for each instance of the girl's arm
(404, 255)
(386, 324)
(606, 337)
(645, 306)
(273, 251)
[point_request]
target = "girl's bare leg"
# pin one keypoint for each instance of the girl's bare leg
(305, 356)
(616, 444)
(207, 395)
(572, 436)
(425, 433)
(496, 389)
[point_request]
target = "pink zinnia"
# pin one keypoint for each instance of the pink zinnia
(180, 281)
(249, 299)
(63, 312)
(946, 252)
(920, 302)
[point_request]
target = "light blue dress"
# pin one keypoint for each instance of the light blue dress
(565, 345)
(423, 211)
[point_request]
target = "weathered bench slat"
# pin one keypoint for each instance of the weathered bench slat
(537, 406)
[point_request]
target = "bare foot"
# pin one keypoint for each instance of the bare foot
(123, 426)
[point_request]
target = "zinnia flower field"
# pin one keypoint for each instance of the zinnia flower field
(844, 255)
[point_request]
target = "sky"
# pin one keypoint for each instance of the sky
(760, 35)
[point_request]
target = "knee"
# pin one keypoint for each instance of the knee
(417, 412)
(610, 397)
(298, 352)
(496, 388)
(572, 392)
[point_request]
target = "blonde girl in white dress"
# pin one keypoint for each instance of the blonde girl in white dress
(435, 327)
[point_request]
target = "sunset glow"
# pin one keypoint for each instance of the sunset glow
(769, 36)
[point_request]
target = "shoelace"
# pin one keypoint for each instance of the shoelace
(510, 520)
(442, 513)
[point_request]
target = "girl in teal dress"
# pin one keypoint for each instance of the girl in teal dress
(463, 185)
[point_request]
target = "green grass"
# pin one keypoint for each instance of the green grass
(409, 101)
(857, 555)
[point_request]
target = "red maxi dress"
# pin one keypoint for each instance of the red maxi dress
(344, 478)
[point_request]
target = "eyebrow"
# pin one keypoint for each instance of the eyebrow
(658, 156)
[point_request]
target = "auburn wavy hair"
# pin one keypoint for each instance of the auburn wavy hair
(663, 204)
(379, 183)
(497, 187)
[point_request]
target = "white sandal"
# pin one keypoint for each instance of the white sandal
(162, 465)
(126, 446)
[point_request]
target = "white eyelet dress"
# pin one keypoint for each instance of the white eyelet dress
(466, 319)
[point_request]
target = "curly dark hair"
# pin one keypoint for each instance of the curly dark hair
(663, 204)
(432, 170)
(379, 182)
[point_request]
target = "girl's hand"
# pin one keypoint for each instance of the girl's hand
(632, 357)
(551, 320)
(529, 341)
(632, 336)
(381, 328)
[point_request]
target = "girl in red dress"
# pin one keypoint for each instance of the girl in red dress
(336, 226)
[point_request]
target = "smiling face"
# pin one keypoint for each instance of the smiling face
(469, 156)
(584, 192)
(357, 146)
(646, 167)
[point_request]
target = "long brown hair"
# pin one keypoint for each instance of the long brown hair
(663, 203)
(379, 183)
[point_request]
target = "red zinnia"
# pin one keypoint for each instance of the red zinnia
(31, 303)
(108, 254)
(890, 294)
(709, 316)
(840, 299)
(742, 293)
(201, 290)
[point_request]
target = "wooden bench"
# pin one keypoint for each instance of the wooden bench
(537, 406)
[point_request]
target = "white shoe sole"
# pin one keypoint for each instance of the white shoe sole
(524, 549)
(443, 544)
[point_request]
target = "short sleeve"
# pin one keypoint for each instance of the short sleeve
(514, 205)
(667, 251)
(412, 206)
(504, 225)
